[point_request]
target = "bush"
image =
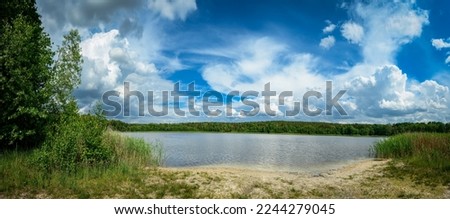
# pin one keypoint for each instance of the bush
(77, 142)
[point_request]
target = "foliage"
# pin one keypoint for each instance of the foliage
(288, 127)
(83, 141)
(11, 9)
(77, 143)
(24, 59)
(22, 175)
(66, 73)
(36, 87)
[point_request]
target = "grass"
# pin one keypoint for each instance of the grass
(21, 177)
(421, 157)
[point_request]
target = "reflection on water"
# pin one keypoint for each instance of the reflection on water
(261, 151)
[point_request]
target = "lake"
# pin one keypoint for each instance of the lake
(259, 151)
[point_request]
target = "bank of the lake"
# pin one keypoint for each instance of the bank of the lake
(370, 178)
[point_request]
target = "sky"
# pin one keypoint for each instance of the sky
(390, 58)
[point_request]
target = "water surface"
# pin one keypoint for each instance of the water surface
(260, 151)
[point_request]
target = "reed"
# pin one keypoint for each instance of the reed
(20, 176)
(425, 156)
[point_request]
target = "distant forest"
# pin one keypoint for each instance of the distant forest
(316, 128)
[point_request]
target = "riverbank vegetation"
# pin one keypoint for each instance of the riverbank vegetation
(44, 173)
(290, 127)
(419, 157)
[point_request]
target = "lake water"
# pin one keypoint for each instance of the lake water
(259, 151)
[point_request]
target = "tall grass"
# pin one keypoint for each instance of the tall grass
(20, 176)
(133, 152)
(425, 155)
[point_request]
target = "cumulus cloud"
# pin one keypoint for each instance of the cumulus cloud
(353, 32)
(173, 9)
(108, 63)
(385, 93)
(327, 42)
(119, 50)
(387, 27)
(377, 88)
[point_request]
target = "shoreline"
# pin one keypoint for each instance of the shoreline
(328, 168)
(360, 179)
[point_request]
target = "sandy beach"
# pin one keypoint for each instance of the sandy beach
(360, 179)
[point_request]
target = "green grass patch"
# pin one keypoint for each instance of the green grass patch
(422, 157)
(22, 175)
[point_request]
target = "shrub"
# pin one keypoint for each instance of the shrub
(77, 142)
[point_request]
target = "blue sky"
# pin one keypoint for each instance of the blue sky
(391, 57)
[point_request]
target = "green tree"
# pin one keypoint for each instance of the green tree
(25, 60)
(36, 89)
(11, 9)
(66, 74)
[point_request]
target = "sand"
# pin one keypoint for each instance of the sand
(360, 179)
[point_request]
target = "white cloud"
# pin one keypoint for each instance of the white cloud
(327, 42)
(387, 27)
(386, 94)
(284, 70)
(108, 62)
(440, 44)
(173, 9)
(434, 94)
(259, 61)
(99, 70)
(330, 28)
(353, 32)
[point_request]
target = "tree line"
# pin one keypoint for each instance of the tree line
(288, 127)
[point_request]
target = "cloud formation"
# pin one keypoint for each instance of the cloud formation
(173, 9)
(387, 27)
(139, 41)
(378, 90)
(353, 32)
(60, 16)
(108, 62)
(440, 44)
(327, 42)
(258, 61)
(330, 28)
